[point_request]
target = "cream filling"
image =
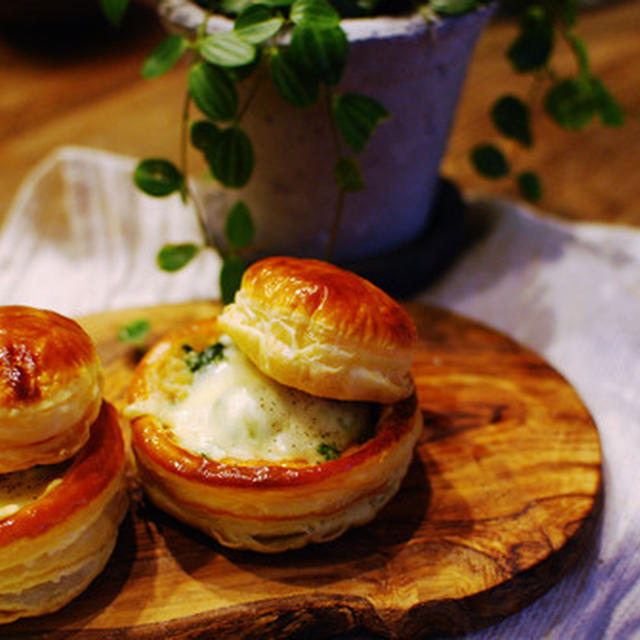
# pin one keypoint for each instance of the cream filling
(21, 488)
(232, 410)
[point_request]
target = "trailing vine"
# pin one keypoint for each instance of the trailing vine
(309, 68)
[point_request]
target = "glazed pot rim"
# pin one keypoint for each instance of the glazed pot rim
(188, 15)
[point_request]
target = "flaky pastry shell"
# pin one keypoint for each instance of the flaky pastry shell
(52, 548)
(326, 331)
(50, 387)
(258, 505)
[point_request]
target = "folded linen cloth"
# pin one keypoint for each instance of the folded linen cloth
(79, 238)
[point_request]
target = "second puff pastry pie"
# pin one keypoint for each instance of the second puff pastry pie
(63, 490)
(286, 420)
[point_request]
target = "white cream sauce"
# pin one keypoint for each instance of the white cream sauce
(232, 410)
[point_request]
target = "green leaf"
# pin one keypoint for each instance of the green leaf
(158, 177)
(239, 227)
(489, 161)
(568, 10)
(164, 56)
(530, 186)
(230, 277)
(114, 10)
(453, 7)
(213, 92)
(581, 53)
(533, 46)
(512, 119)
(231, 160)
(356, 117)
(321, 52)
(204, 135)
(226, 50)
(256, 24)
(293, 84)
(571, 103)
(316, 13)
(134, 332)
(609, 109)
(172, 257)
(348, 174)
(277, 4)
(230, 7)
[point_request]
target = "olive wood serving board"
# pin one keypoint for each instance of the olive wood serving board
(501, 499)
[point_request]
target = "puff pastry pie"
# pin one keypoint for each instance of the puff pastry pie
(64, 496)
(286, 420)
(50, 387)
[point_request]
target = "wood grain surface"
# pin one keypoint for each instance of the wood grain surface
(500, 501)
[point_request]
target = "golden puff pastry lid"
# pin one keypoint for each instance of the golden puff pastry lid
(326, 331)
(50, 387)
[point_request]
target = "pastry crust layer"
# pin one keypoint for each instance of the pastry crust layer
(266, 507)
(323, 330)
(52, 548)
(50, 387)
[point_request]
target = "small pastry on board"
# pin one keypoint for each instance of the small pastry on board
(287, 419)
(62, 481)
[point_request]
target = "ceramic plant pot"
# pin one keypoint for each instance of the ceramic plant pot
(416, 71)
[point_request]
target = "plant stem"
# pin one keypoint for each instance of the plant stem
(252, 93)
(184, 136)
(207, 240)
(339, 210)
(335, 225)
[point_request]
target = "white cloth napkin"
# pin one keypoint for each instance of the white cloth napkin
(79, 238)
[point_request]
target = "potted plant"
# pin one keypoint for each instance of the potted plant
(325, 120)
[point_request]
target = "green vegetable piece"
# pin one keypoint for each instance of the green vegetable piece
(230, 277)
(530, 186)
(609, 109)
(512, 118)
(322, 52)
(204, 135)
(533, 46)
(227, 50)
(489, 161)
(571, 103)
(318, 13)
(231, 160)
(158, 177)
(114, 10)
(213, 92)
(328, 451)
(173, 257)
(348, 174)
(294, 85)
(164, 56)
(256, 24)
(357, 116)
(453, 7)
(239, 227)
(134, 332)
(196, 360)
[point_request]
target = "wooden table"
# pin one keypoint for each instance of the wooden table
(79, 83)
